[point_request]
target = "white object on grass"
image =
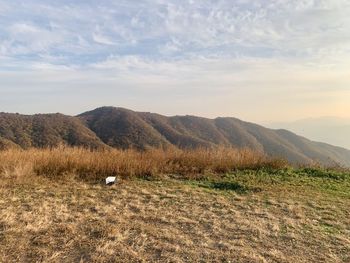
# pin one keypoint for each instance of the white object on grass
(110, 180)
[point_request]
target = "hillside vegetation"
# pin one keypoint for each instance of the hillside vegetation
(45, 130)
(119, 128)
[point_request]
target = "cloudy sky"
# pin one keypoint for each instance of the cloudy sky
(258, 60)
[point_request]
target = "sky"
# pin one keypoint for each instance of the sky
(258, 60)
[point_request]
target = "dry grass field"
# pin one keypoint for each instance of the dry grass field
(96, 165)
(204, 206)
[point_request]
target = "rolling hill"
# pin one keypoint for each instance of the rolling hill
(331, 130)
(44, 130)
(123, 128)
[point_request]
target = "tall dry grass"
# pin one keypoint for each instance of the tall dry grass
(92, 165)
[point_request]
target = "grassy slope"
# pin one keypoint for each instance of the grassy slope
(247, 216)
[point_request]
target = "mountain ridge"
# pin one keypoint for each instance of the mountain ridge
(122, 128)
(332, 130)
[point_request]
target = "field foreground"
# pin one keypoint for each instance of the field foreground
(284, 215)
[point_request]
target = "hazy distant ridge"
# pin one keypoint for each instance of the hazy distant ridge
(332, 130)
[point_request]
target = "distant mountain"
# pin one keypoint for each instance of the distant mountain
(44, 130)
(122, 128)
(332, 130)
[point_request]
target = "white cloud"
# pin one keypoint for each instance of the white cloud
(248, 88)
(237, 54)
(156, 28)
(102, 39)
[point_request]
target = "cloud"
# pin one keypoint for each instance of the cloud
(248, 88)
(157, 28)
(245, 56)
(102, 39)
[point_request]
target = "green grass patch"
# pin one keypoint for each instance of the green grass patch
(224, 186)
(333, 183)
(329, 228)
(323, 173)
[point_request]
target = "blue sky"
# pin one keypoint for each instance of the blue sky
(258, 60)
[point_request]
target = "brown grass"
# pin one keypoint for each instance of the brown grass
(168, 221)
(292, 218)
(94, 165)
